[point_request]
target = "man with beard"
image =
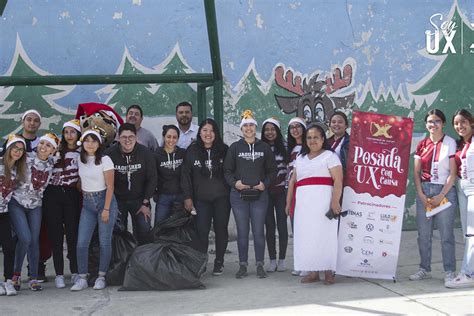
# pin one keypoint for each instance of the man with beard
(31, 122)
(188, 130)
(145, 137)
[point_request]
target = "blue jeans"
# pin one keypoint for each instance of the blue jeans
(245, 213)
(164, 206)
(141, 227)
(466, 209)
(26, 224)
(92, 208)
(444, 222)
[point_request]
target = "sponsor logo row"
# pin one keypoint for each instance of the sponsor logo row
(372, 215)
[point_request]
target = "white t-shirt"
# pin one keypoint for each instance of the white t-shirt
(92, 175)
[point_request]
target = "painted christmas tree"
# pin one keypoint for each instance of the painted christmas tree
(121, 96)
(16, 100)
(169, 95)
(452, 77)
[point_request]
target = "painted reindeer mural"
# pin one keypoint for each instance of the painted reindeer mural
(314, 102)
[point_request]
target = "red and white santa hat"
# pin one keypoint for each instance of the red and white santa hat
(51, 138)
(13, 138)
(89, 132)
(93, 107)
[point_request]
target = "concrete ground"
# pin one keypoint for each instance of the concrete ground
(280, 293)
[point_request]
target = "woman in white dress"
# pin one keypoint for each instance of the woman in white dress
(317, 177)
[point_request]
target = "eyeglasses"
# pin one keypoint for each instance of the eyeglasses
(17, 150)
(295, 127)
(434, 122)
(131, 137)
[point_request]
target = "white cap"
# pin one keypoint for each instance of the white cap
(74, 124)
(29, 112)
(297, 120)
(272, 120)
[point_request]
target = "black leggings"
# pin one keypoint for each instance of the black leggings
(8, 245)
(216, 211)
(61, 211)
(276, 207)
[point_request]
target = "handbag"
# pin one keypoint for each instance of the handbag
(250, 195)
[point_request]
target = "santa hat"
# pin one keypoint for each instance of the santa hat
(51, 138)
(297, 120)
(89, 132)
(247, 118)
(76, 124)
(92, 107)
(31, 112)
(273, 121)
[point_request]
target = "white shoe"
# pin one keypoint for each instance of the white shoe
(449, 276)
(100, 283)
(295, 273)
(74, 278)
(79, 285)
(420, 275)
(273, 266)
(59, 282)
(281, 265)
(461, 281)
(2, 289)
(9, 288)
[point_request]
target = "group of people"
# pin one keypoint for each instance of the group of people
(69, 186)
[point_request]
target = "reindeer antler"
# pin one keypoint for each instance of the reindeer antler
(287, 83)
(338, 81)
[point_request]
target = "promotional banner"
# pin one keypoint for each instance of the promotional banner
(374, 195)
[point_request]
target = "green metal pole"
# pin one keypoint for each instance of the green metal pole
(104, 79)
(211, 20)
(3, 4)
(218, 105)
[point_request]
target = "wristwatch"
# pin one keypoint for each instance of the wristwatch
(147, 204)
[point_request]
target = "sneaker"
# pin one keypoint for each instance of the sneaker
(59, 282)
(42, 273)
(9, 288)
(273, 266)
(242, 272)
(261, 272)
(34, 285)
(100, 283)
(2, 289)
(16, 280)
(79, 285)
(420, 275)
(460, 282)
(74, 278)
(295, 273)
(281, 267)
(449, 276)
(218, 268)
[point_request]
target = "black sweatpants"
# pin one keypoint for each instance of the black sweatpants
(276, 208)
(8, 245)
(216, 212)
(61, 211)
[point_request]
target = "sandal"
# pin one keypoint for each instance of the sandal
(329, 278)
(311, 278)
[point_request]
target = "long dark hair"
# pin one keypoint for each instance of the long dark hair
(436, 112)
(63, 148)
(291, 140)
(279, 144)
(305, 149)
(468, 116)
(20, 164)
(98, 154)
(218, 150)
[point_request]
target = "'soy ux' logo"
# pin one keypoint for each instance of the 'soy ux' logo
(449, 29)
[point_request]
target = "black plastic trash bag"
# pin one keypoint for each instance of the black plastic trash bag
(164, 266)
(123, 245)
(179, 228)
